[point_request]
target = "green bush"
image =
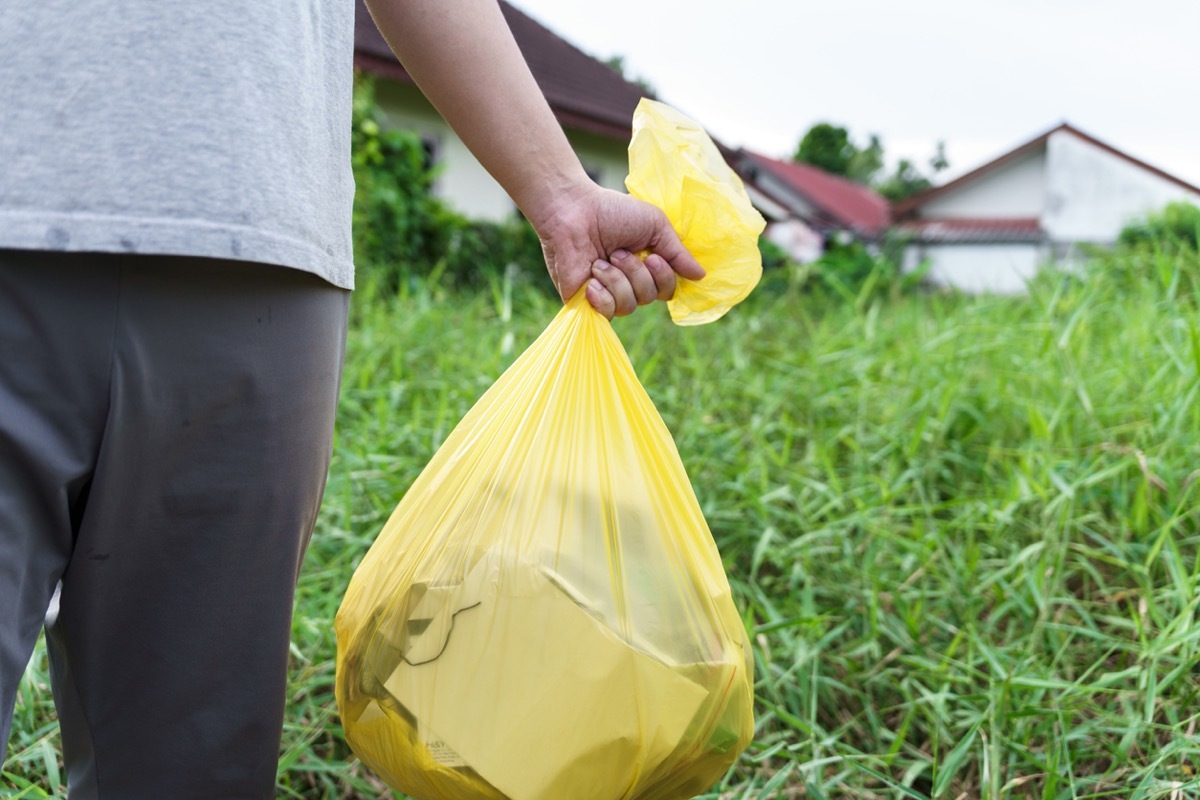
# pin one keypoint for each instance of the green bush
(781, 273)
(860, 273)
(1160, 250)
(773, 256)
(845, 267)
(1176, 227)
(395, 212)
(403, 233)
(475, 253)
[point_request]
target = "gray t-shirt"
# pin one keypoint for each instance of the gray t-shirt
(217, 128)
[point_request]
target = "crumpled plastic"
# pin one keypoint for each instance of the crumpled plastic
(676, 166)
(545, 615)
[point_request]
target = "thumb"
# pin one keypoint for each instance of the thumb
(670, 248)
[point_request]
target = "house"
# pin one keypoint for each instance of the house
(591, 100)
(806, 206)
(992, 228)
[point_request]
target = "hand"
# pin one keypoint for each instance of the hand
(463, 56)
(592, 237)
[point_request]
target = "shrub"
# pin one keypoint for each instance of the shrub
(475, 253)
(773, 256)
(1175, 227)
(395, 212)
(1162, 251)
(403, 232)
(861, 273)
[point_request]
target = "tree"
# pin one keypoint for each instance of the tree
(828, 147)
(939, 161)
(617, 64)
(906, 181)
(866, 163)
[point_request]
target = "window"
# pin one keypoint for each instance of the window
(432, 146)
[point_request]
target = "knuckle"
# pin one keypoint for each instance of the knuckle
(647, 291)
(631, 266)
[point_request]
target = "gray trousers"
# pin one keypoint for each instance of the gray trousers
(165, 432)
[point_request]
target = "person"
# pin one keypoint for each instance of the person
(175, 267)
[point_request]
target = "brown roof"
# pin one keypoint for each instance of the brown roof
(840, 202)
(584, 93)
(908, 207)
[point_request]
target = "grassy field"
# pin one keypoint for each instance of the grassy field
(963, 532)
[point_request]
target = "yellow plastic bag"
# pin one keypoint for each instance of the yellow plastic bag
(674, 165)
(545, 615)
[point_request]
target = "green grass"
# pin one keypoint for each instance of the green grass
(963, 532)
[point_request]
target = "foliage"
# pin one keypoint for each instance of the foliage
(404, 233)
(1174, 228)
(860, 273)
(617, 64)
(1158, 250)
(904, 182)
(866, 162)
(774, 257)
(830, 147)
(939, 161)
(479, 253)
(845, 267)
(395, 213)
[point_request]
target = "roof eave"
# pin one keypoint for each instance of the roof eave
(826, 216)
(908, 206)
(383, 67)
(568, 118)
(1108, 148)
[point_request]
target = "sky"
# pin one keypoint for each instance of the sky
(984, 77)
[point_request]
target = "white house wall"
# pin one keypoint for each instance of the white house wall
(1091, 193)
(1015, 190)
(462, 181)
(796, 205)
(606, 160)
(771, 209)
(798, 240)
(980, 268)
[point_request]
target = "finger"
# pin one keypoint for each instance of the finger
(600, 299)
(644, 288)
(664, 276)
(618, 286)
(678, 258)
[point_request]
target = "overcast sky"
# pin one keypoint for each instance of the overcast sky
(985, 77)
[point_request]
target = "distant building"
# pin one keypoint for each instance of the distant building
(806, 207)
(591, 100)
(992, 228)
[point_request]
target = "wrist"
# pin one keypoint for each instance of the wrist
(554, 198)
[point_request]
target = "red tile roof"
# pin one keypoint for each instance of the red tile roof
(584, 93)
(840, 202)
(974, 229)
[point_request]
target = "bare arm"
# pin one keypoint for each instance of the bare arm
(463, 57)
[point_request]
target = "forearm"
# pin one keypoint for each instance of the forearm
(463, 57)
